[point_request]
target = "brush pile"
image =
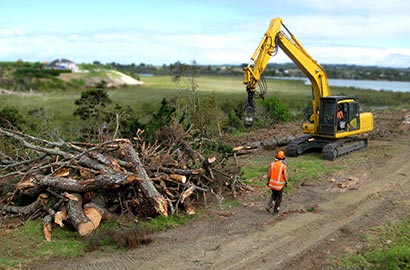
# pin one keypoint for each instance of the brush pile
(82, 184)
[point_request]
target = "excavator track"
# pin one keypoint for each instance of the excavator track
(331, 148)
(342, 147)
(296, 147)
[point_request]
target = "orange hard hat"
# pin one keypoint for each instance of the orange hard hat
(280, 155)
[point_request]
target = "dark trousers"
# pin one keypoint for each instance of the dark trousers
(277, 198)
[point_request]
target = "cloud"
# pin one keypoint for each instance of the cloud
(377, 32)
(343, 7)
(136, 47)
(10, 32)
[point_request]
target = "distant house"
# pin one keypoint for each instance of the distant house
(64, 64)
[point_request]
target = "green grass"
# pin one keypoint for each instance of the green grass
(389, 249)
(161, 223)
(27, 244)
(310, 167)
(254, 175)
(304, 168)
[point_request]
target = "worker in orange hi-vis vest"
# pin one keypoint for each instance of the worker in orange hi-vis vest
(277, 180)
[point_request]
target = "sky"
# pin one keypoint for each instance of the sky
(209, 32)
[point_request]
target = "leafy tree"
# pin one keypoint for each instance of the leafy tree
(92, 107)
(92, 104)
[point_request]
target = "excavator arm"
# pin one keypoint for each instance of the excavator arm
(276, 37)
(335, 137)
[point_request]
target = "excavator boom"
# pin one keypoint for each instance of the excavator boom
(322, 124)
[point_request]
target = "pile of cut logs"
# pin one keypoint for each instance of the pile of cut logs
(82, 184)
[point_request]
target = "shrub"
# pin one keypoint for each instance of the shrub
(11, 118)
(271, 111)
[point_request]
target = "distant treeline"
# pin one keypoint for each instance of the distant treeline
(21, 75)
(353, 72)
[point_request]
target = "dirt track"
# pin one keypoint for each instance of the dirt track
(249, 238)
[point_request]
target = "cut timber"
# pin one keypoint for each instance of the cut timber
(60, 216)
(267, 144)
(105, 215)
(178, 178)
(189, 208)
(199, 171)
(102, 181)
(28, 209)
(187, 193)
(210, 160)
(147, 187)
(93, 215)
(96, 213)
(47, 227)
(77, 217)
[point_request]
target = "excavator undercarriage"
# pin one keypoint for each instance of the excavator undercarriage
(331, 148)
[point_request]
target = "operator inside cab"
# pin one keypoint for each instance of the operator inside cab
(341, 122)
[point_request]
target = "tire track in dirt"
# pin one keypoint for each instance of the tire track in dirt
(293, 236)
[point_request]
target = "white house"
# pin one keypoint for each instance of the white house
(64, 64)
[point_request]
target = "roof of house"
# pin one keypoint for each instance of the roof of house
(61, 61)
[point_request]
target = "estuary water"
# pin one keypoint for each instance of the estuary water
(360, 84)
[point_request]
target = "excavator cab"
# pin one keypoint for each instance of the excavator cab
(337, 115)
(339, 120)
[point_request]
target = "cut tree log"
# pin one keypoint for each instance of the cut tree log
(47, 228)
(178, 178)
(187, 193)
(93, 215)
(147, 187)
(60, 217)
(105, 215)
(198, 171)
(27, 210)
(189, 207)
(80, 221)
(102, 181)
(96, 213)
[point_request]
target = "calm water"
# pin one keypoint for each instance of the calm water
(362, 84)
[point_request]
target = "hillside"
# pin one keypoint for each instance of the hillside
(26, 76)
(103, 78)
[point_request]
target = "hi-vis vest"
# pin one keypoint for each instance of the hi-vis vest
(277, 175)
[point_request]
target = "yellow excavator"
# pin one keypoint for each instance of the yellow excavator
(334, 122)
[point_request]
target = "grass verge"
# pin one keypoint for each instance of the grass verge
(25, 245)
(388, 249)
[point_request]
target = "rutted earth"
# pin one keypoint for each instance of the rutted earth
(317, 222)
